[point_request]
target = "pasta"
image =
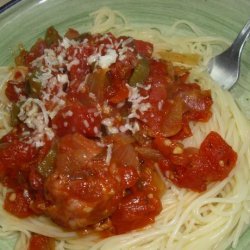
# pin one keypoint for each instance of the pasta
(214, 219)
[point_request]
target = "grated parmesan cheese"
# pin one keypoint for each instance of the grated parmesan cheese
(108, 123)
(72, 63)
(133, 127)
(52, 74)
(137, 102)
(109, 153)
(63, 78)
(160, 104)
(69, 113)
(85, 123)
(34, 114)
(104, 61)
(66, 43)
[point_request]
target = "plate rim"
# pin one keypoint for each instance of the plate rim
(9, 4)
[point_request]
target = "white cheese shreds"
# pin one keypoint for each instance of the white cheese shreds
(74, 62)
(61, 58)
(93, 58)
(137, 102)
(66, 43)
(34, 114)
(30, 113)
(37, 139)
(17, 90)
(69, 113)
(63, 78)
(160, 104)
(108, 123)
(96, 131)
(86, 123)
(59, 105)
(43, 76)
(38, 62)
(142, 86)
(81, 86)
(52, 71)
(104, 61)
(130, 126)
(138, 106)
(92, 96)
(109, 153)
(120, 104)
(50, 58)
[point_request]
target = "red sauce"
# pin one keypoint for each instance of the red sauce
(39, 242)
(96, 165)
(193, 168)
(16, 203)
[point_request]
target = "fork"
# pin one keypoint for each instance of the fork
(224, 68)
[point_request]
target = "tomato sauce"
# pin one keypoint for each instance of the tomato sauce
(94, 120)
(39, 242)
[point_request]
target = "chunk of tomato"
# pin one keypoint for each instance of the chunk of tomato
(17, 154)
(122, 70)
(145, 49)
(220, 155)
(79, 66)
(40, 242)
(158, 72)
(195, 169)
(184, 176)
(77, 118)
(166, 146)
(18, 205)
(129, 176)
(117, 92)
(157, 93)
(14, 90)
(136, 210)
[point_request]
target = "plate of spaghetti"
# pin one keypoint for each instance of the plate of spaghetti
(112, 134)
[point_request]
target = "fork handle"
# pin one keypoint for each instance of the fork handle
(240, 40)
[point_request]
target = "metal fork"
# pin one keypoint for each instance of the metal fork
(225, 67)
